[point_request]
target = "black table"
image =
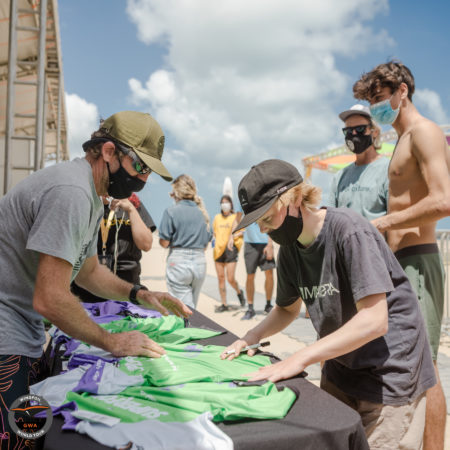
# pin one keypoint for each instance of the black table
(316, 420)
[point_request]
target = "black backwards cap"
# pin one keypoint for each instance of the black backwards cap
(262, 185)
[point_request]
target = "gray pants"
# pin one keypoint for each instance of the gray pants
(185, 273)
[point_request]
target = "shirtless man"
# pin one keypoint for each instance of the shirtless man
(419, 195)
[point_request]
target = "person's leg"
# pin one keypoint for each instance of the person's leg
(199, 274)
(17, 374)
(426, 275)
(268, 288)
(231, 271)
(267, 266)
(394, 426)
(250, 290)
(436, 416)
(220, 270)
(179, 277)
(386, 426)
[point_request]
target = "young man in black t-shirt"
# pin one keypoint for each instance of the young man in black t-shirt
(366, 314)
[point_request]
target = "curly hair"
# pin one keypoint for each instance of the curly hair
(390, 74)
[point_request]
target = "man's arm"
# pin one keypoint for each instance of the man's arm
(268, 250)
(53, 299)
(236, 221)
(369, 323)
(164, 243)
(429, 148)
(99, 280)
(332, 198)
(142, 235)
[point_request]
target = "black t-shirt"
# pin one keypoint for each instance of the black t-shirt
(128, 255)
(348, 261)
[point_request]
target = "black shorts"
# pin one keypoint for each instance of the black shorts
(254, 257)
(228, 256)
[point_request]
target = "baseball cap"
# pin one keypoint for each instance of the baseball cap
(262, 185)
(141, 132)
(360, 110)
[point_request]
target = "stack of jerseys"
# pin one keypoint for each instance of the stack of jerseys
(169, 402)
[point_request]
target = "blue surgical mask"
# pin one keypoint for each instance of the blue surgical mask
(383, 113)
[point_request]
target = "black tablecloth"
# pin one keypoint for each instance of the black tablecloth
(316, 420)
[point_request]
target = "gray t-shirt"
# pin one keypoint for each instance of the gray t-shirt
(184, 226)
(55, 211)
(362, 188)
(348, 261)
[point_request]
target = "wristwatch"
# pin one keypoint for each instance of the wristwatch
(134, 291)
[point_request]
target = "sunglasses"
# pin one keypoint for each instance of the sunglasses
(360, 129)
(137, 163)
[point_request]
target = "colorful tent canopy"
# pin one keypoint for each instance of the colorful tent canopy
(338, 158)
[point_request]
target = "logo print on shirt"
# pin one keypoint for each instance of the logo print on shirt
(320, 291)
(133, 365)
(81, 257)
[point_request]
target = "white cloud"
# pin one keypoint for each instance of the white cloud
(83, 118)
(429, 104)
(245, 81)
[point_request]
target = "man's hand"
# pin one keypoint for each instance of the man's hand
(380, 224)
(163, 302)
(133, 343)
(280, 371)
(268, 252)
(124, 204)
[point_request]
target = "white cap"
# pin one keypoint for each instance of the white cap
(360, 110)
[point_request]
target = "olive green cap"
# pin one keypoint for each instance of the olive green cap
(142, 133)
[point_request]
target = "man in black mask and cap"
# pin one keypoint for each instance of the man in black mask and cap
(371, 332)
(48, 237)
(363, 185)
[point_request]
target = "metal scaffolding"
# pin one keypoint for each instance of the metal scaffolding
(33, 127)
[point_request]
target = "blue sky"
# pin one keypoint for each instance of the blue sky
(233, 83)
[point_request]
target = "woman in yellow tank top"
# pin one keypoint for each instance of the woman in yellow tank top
(225, 259)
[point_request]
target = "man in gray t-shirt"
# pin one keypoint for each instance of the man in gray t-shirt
(372, 336)
(48, 237)
(363, 185)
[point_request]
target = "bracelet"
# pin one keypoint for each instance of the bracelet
(134, 291)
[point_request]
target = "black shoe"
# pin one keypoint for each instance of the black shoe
(241, 298)
(222, 308)
(249, 314)
(268, 308)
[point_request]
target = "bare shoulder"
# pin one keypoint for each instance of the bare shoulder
(426, 136)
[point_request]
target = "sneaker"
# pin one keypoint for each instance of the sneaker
(249, 314)
(241, 298)
(268, 308)
(222, 308)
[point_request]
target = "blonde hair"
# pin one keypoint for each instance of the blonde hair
(311, 196)
(184, 188)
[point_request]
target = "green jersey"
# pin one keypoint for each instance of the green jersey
(181, 403)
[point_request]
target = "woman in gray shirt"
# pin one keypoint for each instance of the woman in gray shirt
(185, 229)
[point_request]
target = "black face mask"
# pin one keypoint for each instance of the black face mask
(358, 143)
(122, 184)
(288, 232)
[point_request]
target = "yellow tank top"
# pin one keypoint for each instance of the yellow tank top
(222, 231)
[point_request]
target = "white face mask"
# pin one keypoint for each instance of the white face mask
(226, 207)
